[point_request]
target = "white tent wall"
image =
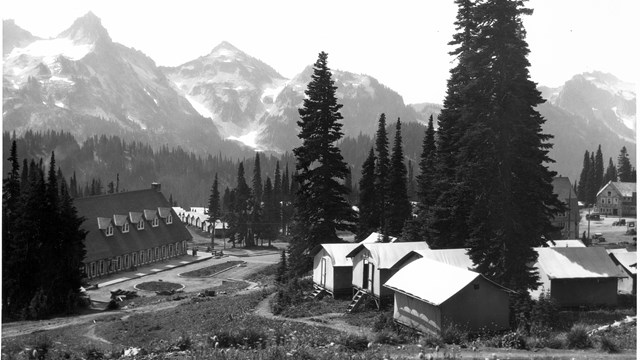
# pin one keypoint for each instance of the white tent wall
(416, 314)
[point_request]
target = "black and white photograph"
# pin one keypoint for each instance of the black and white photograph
(316, 180)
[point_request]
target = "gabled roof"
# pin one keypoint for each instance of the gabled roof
(375, 237)
(385, 255)
(627, 260)
(150, 214)
(94, 208)
(453, 257)
(119, 220)
(566, 243)
(163, 212)
(437, 282)
(337, 252)
(625, 189)
(103, 222)
(563, 188)
(135, 217)
(577, 262)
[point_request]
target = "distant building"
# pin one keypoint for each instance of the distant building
(617, 199)
(129, 229)
(568, 222)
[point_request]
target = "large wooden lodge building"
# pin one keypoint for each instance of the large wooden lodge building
(129, 229)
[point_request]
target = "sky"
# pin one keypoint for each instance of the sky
(401, 43)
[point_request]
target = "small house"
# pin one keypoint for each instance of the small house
(332, 269)
(627, 262)
(373, 265)
(443, 294)
(577, 276)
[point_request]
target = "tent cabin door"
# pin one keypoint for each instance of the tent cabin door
(367, 276)
(323, 272)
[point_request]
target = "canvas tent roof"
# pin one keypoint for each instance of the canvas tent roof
(626, 259)
(376, 237)
(446, 280)
(338, 253)
(566, 243)
(577, 262)
(385, 255)
(453, 257)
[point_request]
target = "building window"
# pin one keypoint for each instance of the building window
(101, 267)
(157, 253)
(603, 200)
(149, 258)
(154, 222)
(125, 227)
(119, 263)
(135, 259)
(109, 230)
(126, 261)
(615, 201)
(608, 201)
(93, 269)
(608, 193)
(164, 252)
(140, 225)
(169, 219)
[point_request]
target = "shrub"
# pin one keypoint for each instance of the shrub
(608, 345)
(93, 353)
(39, 306)
(354, 342)
(577, 337)
(389, 337)
(513, 340)
(183, 343)
(384, 321)
(454, 334)
(544, 314)
(556, 341)
(42, 346)
(113, 305)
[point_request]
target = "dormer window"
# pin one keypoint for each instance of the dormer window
(155, 222)
(125, 227)
(169, 219)
(109, 230)
(140, 225)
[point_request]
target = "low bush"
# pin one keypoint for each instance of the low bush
(577, 337)
(354, 342)
(431, 341)
(556, 341)
(608, 345)
(113, 305)
(454, 334)
(513, 340)
(93, 353)
(390, 337)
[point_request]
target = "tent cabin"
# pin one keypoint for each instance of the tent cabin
(373, 265)
(577, 276)
(453, 257)
(566, 243)
(627, 262)
(332, 269)
(444, 294)
(375, 237)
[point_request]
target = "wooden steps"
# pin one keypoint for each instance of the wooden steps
(358, 299)
(317, 293)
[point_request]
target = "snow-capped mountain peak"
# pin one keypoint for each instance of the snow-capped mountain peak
(87, 29)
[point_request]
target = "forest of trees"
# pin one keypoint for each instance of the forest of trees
(42, 243)
(594, 176)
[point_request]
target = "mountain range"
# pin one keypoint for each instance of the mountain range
(81, 81)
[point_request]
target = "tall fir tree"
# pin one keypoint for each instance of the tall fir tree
(583, 193)
(271, 218)
(599, 169)
(321, 207)
(382, 171)
(368, 219)
(242, 207)
(624, 166)
(10, 213)
(399, 207)
(592, 187)
(611, 174)
(411, 183)
(502, 152)
(256, 216)
(214, 207)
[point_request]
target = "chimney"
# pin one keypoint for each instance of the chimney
(156, 186)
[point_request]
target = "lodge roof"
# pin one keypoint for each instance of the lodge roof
(577, 262)
(625, 189)
(99, 211)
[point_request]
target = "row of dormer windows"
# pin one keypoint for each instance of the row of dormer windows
(109, 231)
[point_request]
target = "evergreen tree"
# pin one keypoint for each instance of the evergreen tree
(611, 174)
(368, 219)
(411, 184)
(348, 184)
(10, 213)
(592, 188)
(271, 218)
(399, 207)
(500, 160)
(599, 170)
(281, 275)
(382, 171)
(214, 207)
(257, 180)
(321, 208)
(584, 179)
(624, 167)
(242, 207)
(277, 194)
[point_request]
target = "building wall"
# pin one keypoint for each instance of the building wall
(131, 261)
(479, 305)
(585, 292)
(611, 202)
(416, 314)
(342, 280)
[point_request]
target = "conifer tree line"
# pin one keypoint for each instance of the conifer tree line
(593, 175)
(257, 213)
(42, 243)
